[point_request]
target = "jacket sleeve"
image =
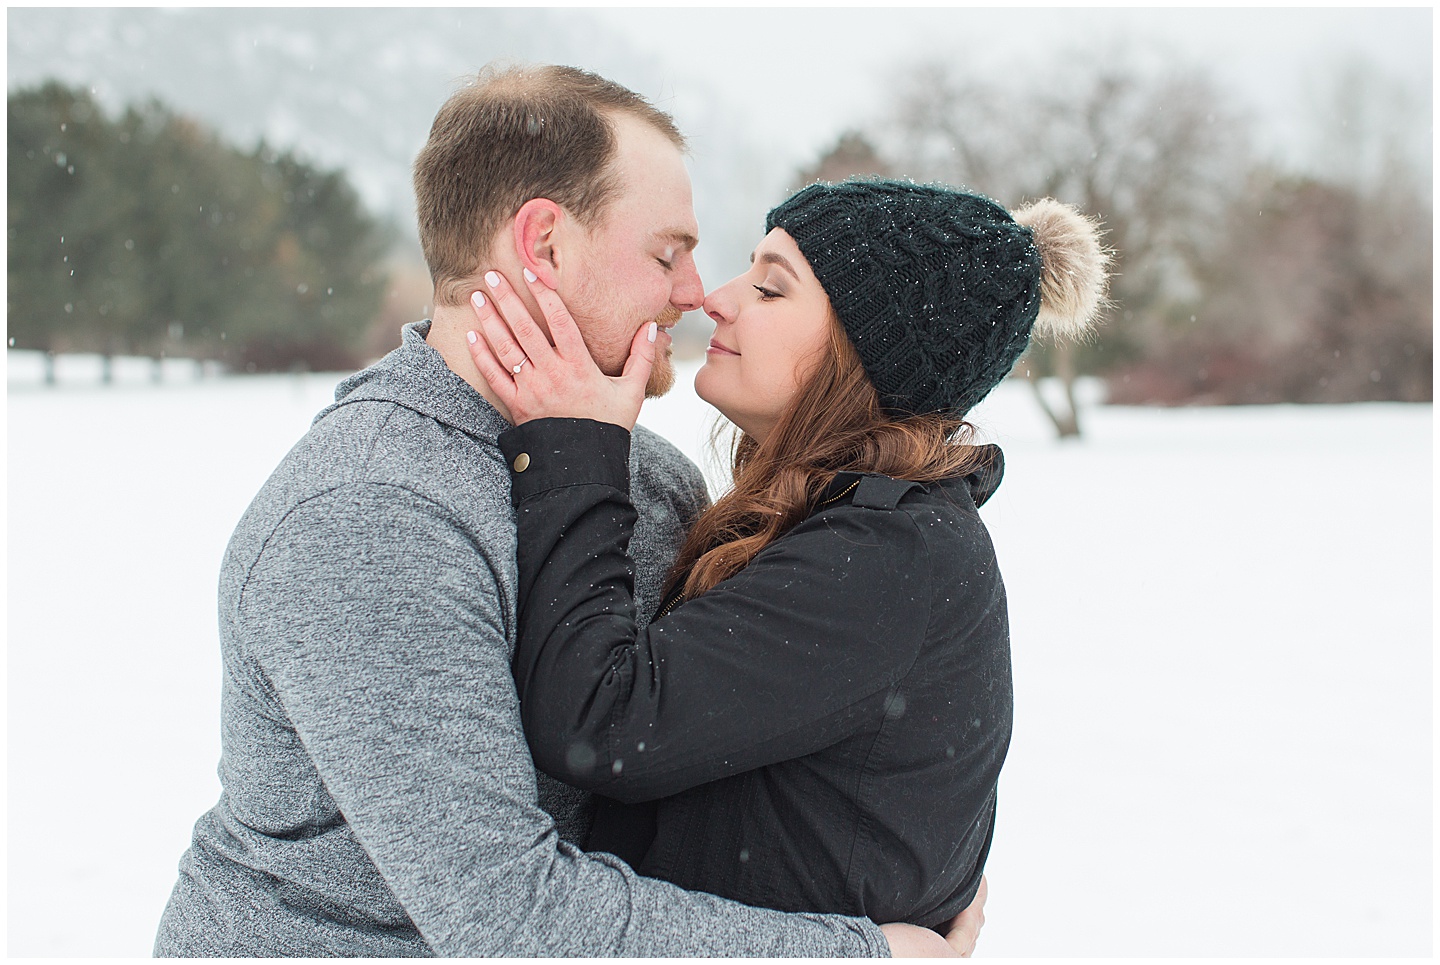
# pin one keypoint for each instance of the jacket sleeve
(380, 627)
(770, 665)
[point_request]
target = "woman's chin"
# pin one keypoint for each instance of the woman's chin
(703, 379)
(705, 389)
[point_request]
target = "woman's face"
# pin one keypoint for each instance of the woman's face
(771, 324)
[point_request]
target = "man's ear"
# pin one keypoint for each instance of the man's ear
(535, 231)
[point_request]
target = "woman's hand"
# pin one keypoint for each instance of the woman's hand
(535, 379)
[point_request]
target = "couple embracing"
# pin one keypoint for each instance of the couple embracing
(500, 680)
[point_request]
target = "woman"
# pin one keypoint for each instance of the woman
(817, 718)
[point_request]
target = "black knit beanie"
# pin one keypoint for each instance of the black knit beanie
(938, 289)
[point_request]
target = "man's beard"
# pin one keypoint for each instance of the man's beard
(662, 376)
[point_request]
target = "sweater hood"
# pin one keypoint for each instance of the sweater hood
(415, 376)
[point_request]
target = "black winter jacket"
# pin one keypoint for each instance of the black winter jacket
(821, 732)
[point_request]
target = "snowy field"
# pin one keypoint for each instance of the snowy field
(1222, 627)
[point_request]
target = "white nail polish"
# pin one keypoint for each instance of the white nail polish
(478, 300)
(470, 337)
(529, 275)
(654, 329)
(492, 279)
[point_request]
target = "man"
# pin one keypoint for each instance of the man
(378, 797)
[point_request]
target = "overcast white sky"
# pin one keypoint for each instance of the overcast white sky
(801, 74)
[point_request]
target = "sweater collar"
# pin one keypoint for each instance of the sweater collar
(416, 377)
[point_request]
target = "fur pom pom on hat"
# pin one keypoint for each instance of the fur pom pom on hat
(939, 290)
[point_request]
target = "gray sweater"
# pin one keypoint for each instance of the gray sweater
(378, 795)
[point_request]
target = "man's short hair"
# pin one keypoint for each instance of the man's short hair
(513, 134)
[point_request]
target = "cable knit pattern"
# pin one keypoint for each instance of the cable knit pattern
(938, 289)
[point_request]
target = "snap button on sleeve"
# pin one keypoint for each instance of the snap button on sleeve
(544, 456)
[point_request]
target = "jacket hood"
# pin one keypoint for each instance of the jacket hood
(980, 484)
(984, 481)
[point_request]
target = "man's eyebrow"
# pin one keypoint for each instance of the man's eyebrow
(681, 239)
(771, 258)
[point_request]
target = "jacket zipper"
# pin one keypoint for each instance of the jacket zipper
(848, 490)
(675, 601)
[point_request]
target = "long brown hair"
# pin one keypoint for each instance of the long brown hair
(834, 423)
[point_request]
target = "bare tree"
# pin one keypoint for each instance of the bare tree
(853, 154)
(1151, 156)
(1320, 288)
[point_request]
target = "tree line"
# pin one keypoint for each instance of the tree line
(144, 234)
(1237, 281)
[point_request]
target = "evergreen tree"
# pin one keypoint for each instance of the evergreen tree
(148, 235)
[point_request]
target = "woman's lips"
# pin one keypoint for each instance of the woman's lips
(719, 349)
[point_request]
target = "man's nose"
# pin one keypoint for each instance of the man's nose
(689, 292)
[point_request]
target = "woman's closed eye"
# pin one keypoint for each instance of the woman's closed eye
(765, 293)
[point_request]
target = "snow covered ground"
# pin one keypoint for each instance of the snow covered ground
(1221, 620)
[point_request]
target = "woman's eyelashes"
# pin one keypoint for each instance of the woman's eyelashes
(765, 293)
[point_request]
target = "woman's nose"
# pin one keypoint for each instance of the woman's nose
(719, 305)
